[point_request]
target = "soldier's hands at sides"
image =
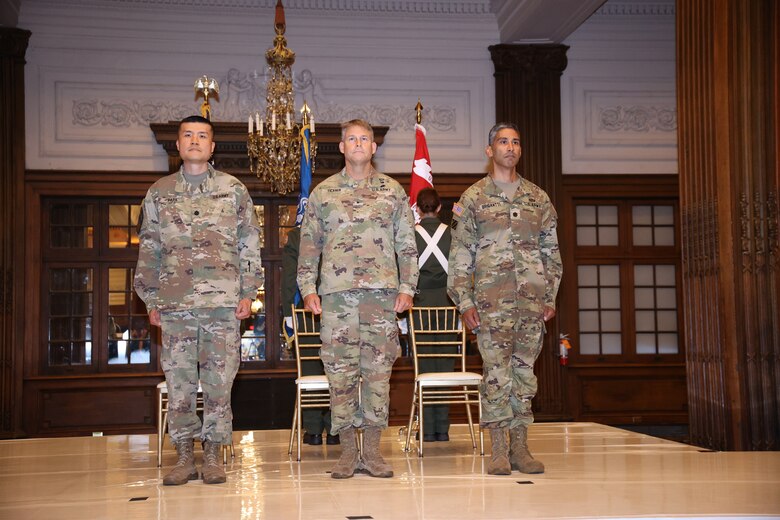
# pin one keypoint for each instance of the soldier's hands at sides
(312, 303)
(549, 313)
(471, 318)
(403, 302)
(244, 309)
(154, 317)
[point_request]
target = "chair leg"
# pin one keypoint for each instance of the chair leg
(292, 428)
(298, 413)
(481, 431)
(471, 422)
(420, 413)
(162, 419)
(411, 423)
(228, 448)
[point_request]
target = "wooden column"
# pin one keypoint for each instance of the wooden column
(13, 45)
(727, 99)
(528, 93)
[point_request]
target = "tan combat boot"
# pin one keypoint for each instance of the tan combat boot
(499, 460)
(213, 472)
(372, 461)
(519, 456)
(185, 469)
(345, 468)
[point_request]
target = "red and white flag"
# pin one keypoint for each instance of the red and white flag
(421, 169)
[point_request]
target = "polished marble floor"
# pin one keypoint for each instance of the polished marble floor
(593, 471)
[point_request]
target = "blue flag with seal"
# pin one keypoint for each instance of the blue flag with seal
(303, 197)
(303, 200)
(306, 167)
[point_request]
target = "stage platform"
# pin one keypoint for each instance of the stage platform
(593, 471)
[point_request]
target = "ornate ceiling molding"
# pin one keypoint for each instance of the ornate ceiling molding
(423, 7)
(634, 8)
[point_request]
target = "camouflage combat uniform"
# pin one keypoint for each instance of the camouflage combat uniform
(359, 228)
(511, 248)
(199, 256)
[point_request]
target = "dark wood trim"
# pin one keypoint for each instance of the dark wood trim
(13, 47)
(726, 74)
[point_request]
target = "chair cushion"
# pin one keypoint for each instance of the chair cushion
(319, 382)
(448, 378)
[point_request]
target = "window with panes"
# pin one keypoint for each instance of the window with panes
(627, 280)
(92, 319)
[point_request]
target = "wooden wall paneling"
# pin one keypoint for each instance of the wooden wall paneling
(726, 67)
(263, 403)
(528, 93)
(78, 406)
(650, 392)
(630, 395)
(758, 203)
(13, 46)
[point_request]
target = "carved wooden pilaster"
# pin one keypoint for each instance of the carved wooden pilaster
(727, 79)
(13, 45)
(528, 93)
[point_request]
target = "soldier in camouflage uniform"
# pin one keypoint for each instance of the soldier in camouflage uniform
(360, 223)
(198, 271)
(505, 268)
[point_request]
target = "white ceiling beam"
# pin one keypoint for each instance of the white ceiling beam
(541, 21)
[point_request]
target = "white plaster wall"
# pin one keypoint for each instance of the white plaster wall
(618, 101)
(99, 71)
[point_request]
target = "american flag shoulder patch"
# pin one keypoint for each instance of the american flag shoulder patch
(457, 209)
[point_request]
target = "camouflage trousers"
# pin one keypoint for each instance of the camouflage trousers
(509, 346)
(359, 342)
(200, 344)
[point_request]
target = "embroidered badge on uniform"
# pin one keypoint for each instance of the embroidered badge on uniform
(457, 209)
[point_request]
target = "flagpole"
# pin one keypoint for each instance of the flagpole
(421, 166)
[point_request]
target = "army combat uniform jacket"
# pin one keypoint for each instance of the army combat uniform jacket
(198, 248)
(359, 228)
(510, 247)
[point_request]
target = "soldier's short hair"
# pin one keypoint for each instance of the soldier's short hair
(356, 122)
(197, 119)
(498, 127)
(428, 200)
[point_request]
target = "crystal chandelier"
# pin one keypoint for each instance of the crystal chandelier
(274, 142)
